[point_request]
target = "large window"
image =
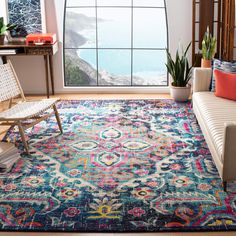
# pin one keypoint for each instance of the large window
(115, 43)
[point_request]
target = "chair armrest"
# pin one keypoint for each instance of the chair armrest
(229, 151)
(201, 79)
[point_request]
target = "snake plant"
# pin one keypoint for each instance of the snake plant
(179, 68)
(4, 28)
(208, 46)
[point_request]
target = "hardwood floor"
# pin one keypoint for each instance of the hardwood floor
(107, 96)
(112, 96)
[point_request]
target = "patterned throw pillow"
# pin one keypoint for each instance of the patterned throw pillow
(225, 66)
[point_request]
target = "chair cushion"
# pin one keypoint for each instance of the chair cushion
(215, 112)
(225, 85)
(27, 109)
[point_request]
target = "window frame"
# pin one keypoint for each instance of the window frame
(131, 48)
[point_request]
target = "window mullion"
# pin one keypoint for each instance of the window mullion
(96, 15)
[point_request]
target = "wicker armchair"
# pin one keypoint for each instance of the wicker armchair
(24, 114)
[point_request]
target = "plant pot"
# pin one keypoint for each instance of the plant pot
(180, 94)
(2, 38)
(205, 63)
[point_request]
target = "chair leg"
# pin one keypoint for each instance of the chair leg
(58, 118)
(22, 134)
(225, 186)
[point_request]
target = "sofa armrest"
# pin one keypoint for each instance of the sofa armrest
(201, 79)
(229, 151)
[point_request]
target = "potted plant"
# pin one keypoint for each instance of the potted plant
(4, 28)
(208, 49)
(180, 72)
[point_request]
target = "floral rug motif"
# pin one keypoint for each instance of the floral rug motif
(120, 166)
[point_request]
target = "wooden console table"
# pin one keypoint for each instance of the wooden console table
(47, 51)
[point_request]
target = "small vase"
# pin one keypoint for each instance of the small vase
(205, 63)
(2, 38)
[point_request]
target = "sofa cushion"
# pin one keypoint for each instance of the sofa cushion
(225, 66)
(225, 85)
(215, 112)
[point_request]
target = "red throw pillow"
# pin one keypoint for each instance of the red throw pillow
(225, 85)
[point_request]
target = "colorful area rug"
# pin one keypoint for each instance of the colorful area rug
(120, 166)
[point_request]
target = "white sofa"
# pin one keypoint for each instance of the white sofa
(217, 119)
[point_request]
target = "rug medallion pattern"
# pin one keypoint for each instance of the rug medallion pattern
(120, 166)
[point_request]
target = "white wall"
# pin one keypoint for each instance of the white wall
(180, 23)
(31, 71)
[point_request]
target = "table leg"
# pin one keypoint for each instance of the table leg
(51, 73)
(4, 59)
(46, 74)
